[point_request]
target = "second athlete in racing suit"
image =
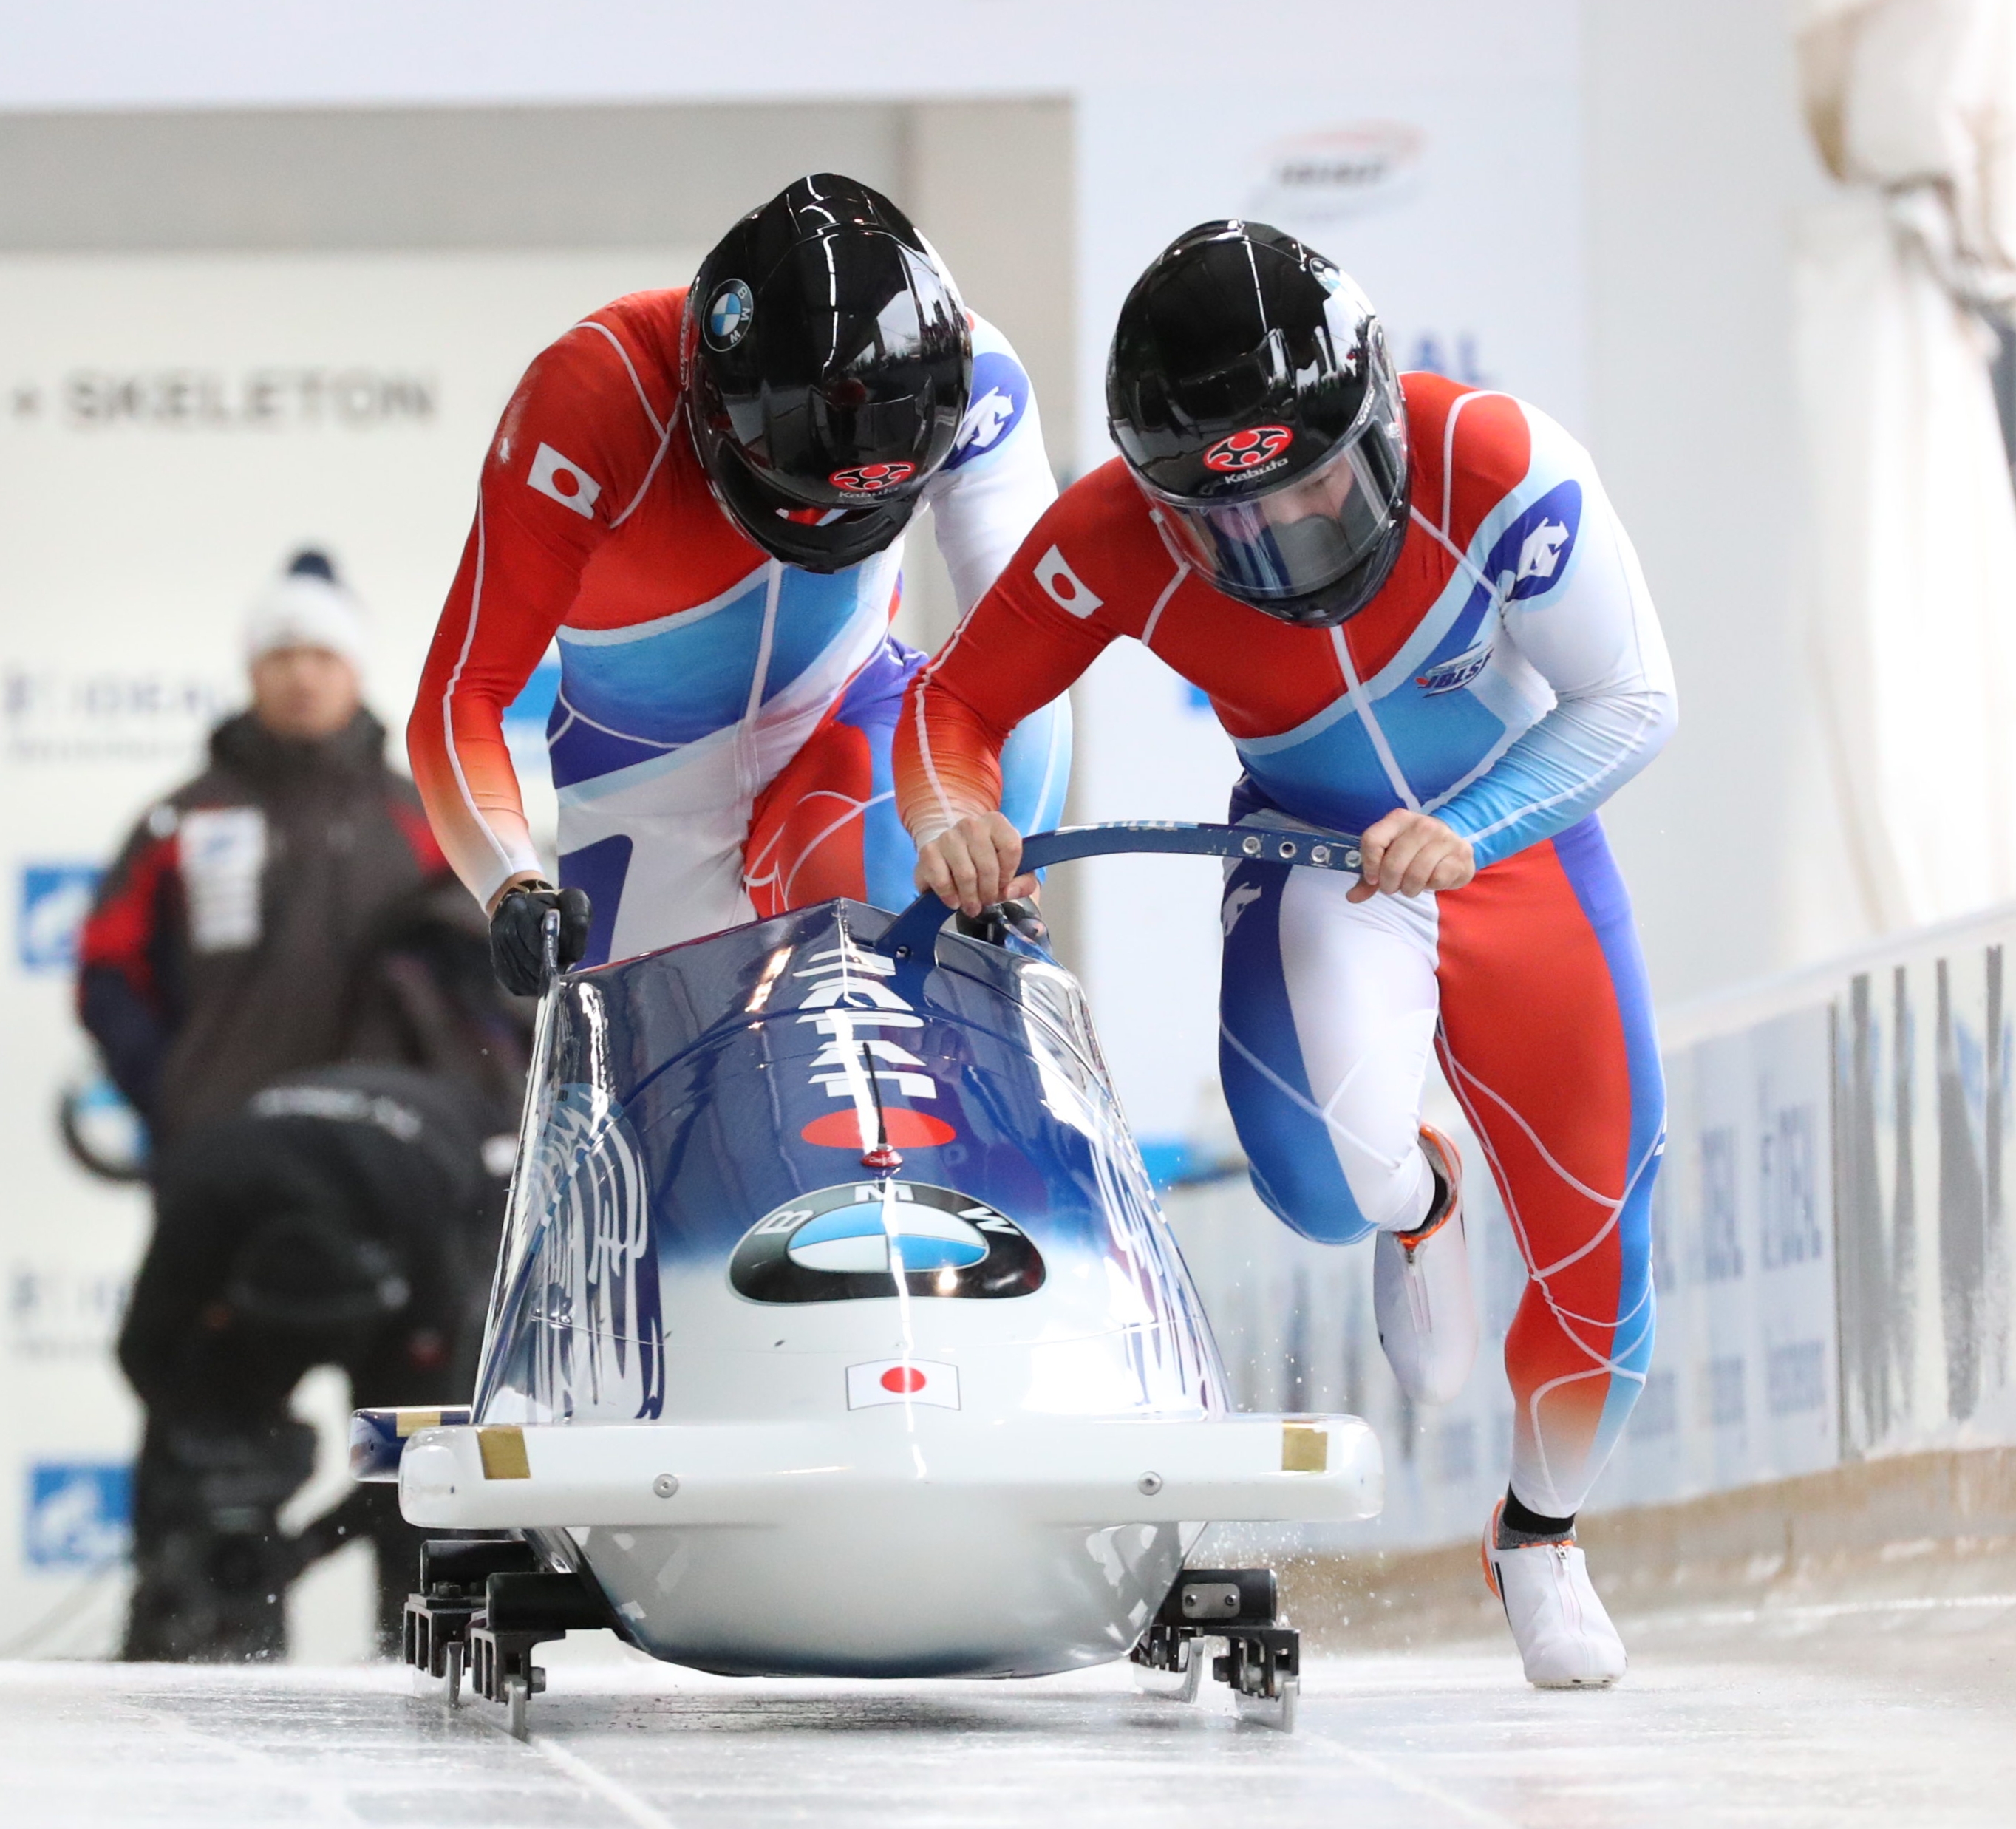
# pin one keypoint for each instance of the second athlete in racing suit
(1417, 617)
(703, 500)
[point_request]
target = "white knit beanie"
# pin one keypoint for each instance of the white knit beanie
(306, 607)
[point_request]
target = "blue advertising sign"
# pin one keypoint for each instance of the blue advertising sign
(80, 1514)
(54, 899)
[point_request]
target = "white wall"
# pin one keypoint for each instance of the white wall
(1830, 1244)
(1697, 167)
(208, 53)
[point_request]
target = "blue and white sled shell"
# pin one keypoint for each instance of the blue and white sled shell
(836, 1325)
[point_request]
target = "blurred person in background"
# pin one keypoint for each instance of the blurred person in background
(344, 1217)
(702, 492)
(213, 958)
(223, 955)
(1416, 616)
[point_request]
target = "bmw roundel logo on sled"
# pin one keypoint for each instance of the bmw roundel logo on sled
(871, 479)
(728, 315)
(851, 1242)
(1248, 450)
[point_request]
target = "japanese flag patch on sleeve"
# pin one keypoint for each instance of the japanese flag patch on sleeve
(563, 480)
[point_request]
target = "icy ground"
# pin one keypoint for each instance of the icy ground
(1885, 1713)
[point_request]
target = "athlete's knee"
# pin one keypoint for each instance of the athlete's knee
(1294, 1169)
(1335, 1181)
(1321, 1211)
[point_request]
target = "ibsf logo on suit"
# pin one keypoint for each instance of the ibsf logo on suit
(1000, 396)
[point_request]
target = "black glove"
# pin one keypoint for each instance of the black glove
(518, 935)
(995, 924)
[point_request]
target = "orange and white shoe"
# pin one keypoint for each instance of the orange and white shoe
(1421, 1295)
(1564, 1637)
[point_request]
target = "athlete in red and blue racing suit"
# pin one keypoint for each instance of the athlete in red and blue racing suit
(720, 741)
(1504, 675)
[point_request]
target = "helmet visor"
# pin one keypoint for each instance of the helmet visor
(1304, 535)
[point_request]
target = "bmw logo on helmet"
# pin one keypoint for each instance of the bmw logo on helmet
(853, 1241)
(728, 313)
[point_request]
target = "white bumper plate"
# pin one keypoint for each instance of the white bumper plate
(1060, 1471)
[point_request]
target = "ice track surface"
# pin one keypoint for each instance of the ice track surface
(1824, 1715)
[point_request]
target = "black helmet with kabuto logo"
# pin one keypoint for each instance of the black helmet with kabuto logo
(825, 361)
(1250, 392)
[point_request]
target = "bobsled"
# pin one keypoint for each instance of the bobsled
(836, 1331)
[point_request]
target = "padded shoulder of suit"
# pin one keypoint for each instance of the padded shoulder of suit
(1471, 448)
(1108, 498)
(1096, 554)
(588, 419)
(647, 324)
(1104, 526)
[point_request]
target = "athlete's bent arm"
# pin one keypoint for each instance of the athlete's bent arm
(575, 446)
(1017, 649)
(495, 625)
(1591, 633)
(996, 487)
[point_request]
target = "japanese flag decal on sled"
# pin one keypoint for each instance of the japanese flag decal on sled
(836, 1331)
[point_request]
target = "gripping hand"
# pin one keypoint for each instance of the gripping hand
(517, 936)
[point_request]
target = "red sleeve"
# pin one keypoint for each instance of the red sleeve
(123, 930)
(126, 981)
(1091, 570)
(576, 446)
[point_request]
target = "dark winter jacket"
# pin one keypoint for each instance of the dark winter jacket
(216, 957)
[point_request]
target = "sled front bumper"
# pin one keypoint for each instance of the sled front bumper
(1039, 1470)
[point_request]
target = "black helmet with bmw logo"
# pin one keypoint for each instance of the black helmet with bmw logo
(1252, 394)
(826, 362)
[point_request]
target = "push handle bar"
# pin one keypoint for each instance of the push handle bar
(913, 933)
